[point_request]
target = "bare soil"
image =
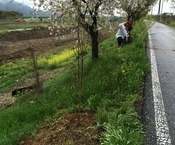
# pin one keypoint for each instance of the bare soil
(19, 44)
(70, 129)
(67, 130)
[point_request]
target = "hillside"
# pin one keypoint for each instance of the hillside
(9, 14)
(15, 6)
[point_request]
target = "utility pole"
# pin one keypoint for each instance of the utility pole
(159, 10)
(162, 7)
(159, 7)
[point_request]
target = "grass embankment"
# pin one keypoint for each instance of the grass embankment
(172, 24)
(111, 85)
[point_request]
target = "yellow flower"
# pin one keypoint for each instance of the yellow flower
(32, 102)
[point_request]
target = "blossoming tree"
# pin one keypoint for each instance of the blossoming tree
(91, 15)
(135, 9)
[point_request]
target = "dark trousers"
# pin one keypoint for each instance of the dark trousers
(121, 41)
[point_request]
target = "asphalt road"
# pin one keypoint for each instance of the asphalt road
(159, 99)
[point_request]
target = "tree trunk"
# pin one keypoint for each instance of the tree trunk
(94, 41)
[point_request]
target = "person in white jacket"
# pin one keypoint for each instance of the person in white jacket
(123, 32)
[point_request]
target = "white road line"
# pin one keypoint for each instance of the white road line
(170, 34)
(161, 124)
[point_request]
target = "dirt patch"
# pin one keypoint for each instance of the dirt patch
(16, 45)
(68, 131)
(14, 36)
(6, 100)
(37, 33)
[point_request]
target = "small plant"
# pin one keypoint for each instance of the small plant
(122, 129)
(37, 84)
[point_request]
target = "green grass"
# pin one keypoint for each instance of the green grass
(23, 25)
(27, 25)
(111, 85)
(171, 24)
(12, 74)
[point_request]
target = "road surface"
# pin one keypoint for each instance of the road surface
(159, 100)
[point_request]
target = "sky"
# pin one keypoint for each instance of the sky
(166, 6)
(26, 2)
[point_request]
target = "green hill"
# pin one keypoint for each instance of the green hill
(9, 14)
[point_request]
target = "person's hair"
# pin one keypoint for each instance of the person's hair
(128, 25)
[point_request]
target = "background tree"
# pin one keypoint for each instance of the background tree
(92, 13)
(173, 4)
(135, 9)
